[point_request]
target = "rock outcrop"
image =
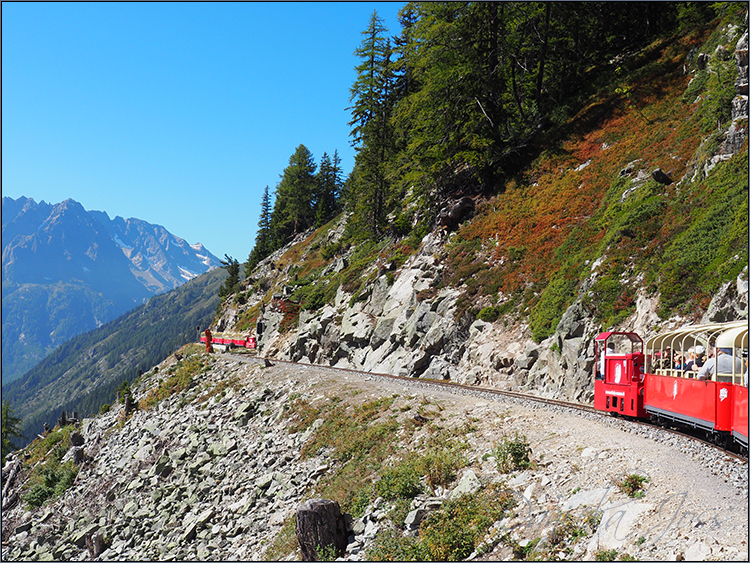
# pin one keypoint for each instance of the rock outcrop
(401, 324)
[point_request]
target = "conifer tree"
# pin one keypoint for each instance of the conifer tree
(372, 94)
(262, 246)
(11, 428)
(231, 284)
(293, 208)
(329, 188)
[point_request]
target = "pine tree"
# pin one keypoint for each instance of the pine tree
(329, 188)
(372, 94)
(262, 246)
(293, 208)
(231, 284)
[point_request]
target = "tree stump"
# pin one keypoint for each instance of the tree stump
(130, 405)
(320, 526)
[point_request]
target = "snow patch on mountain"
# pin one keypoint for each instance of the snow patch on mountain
(122, 244)
(186, 274)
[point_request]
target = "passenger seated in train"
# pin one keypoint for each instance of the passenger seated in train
(722, 361)
(664, 359)
(678, 362)
(696, 359)
(687, 365)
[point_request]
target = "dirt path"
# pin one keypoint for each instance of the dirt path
(687, 511)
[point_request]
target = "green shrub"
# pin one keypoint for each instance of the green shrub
(440, 466)
(358, 499)
(52, 481)
(570, 528)
(331, 250)
(284, 542)
(521, 552)
(390, 545)
(401, 481)
(492, 313)
(327, 552)
(489, 314)
(451, 533)
(632, 485)
(37, 496)
(448, 534)
(606, 555)
(402, 224)
(400, 510)
(512, 453)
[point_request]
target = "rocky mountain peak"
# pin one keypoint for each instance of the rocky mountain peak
(95, 267)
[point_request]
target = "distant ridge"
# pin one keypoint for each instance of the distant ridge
(67, 270)
(83, 373)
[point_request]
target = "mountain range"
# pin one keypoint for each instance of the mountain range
(67, 270)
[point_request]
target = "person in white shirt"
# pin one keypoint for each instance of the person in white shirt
(722, 362)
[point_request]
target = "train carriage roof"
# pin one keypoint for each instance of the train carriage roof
(733, 338)
(705, 335)
(631, 335)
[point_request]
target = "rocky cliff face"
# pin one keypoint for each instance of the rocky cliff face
(394, 329)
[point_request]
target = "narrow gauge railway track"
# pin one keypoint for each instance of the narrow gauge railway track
(494, 394)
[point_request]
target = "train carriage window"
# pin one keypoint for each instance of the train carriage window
(621, 344)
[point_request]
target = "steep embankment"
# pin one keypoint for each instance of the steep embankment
(82, 374)
(223, 451)
(636, 218)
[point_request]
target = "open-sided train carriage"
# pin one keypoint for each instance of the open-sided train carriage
(652, 385)
(678, 396)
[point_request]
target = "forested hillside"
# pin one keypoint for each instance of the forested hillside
(548, 169)
(83, 374)
(498, 102)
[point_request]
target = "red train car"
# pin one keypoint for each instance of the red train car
(232, 339)
(670, 390)
(739, 417)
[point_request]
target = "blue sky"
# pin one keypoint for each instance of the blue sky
(175, 113)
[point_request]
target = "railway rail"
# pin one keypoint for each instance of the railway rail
(494, 394)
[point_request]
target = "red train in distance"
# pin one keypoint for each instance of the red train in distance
(232, 339)
(652, 382)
